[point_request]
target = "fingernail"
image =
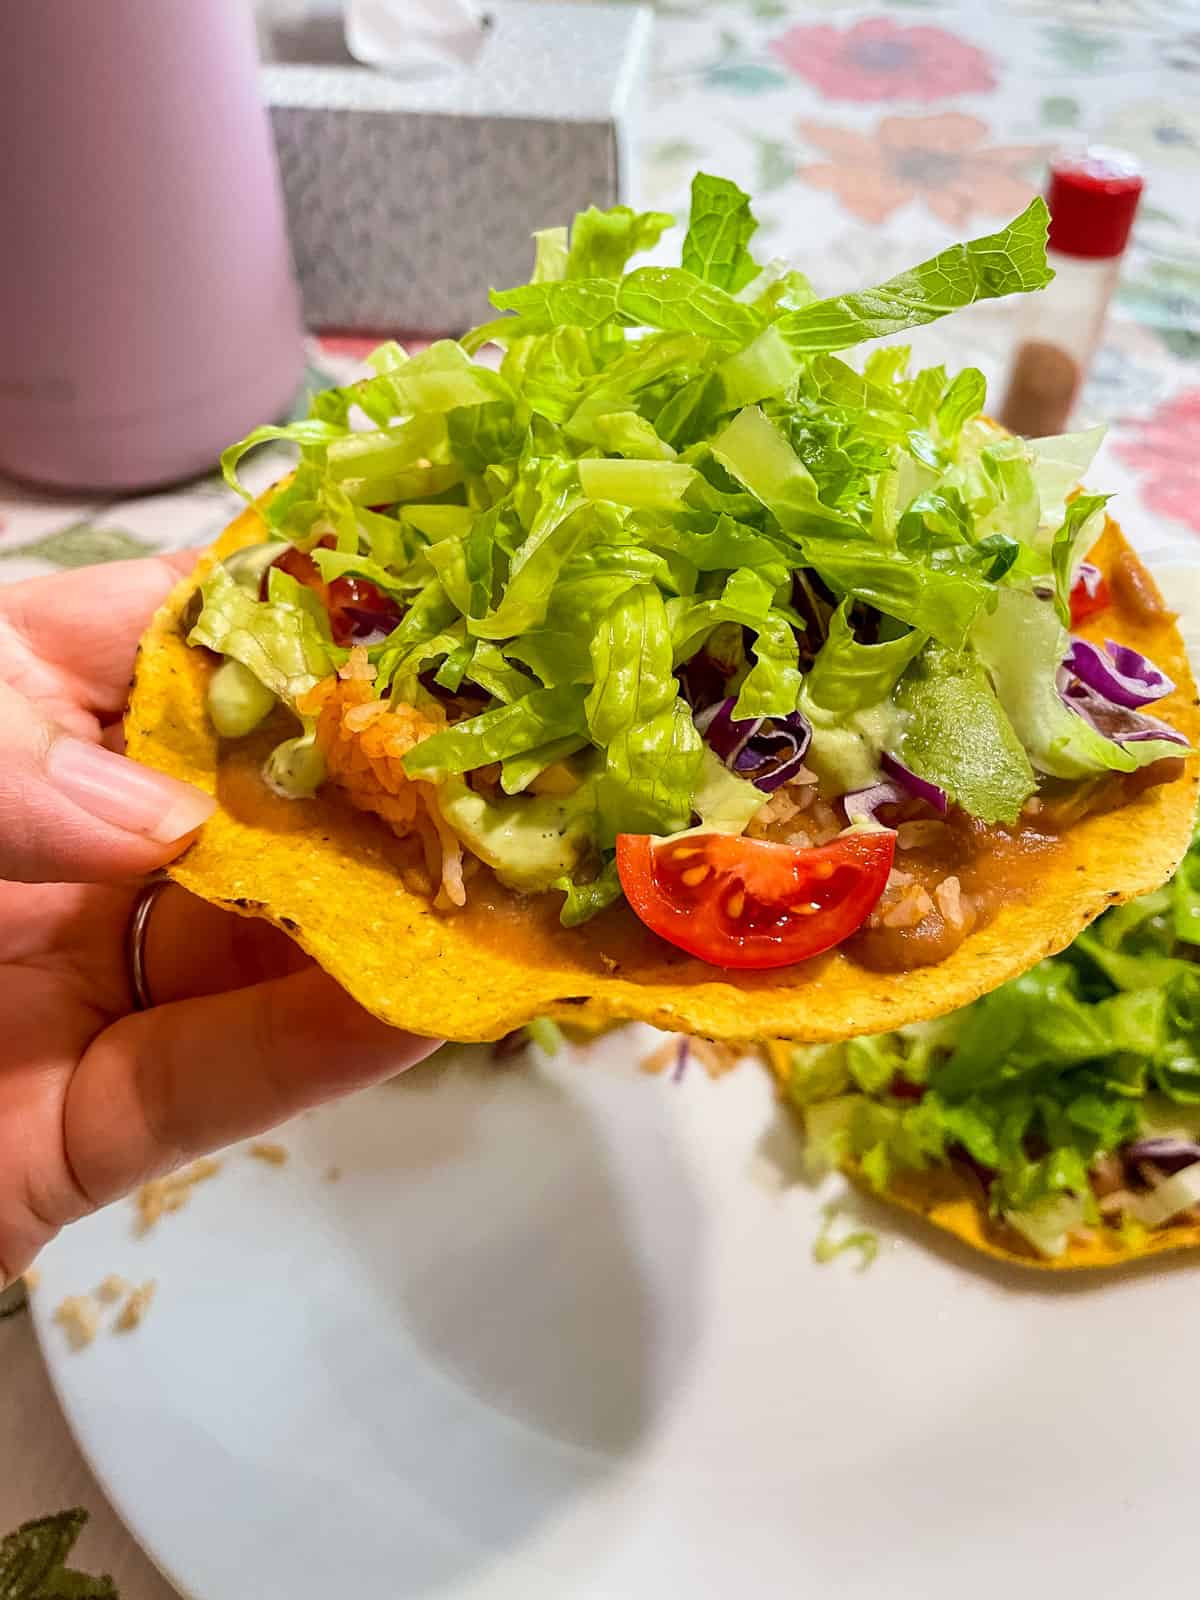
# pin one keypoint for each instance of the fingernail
(130, 796)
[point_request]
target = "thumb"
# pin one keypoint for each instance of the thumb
(73, 812)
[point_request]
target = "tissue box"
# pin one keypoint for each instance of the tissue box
(408, 199)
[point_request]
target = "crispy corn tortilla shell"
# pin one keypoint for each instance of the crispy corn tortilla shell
(950, 1203)
(954, 1204)
(329, 876)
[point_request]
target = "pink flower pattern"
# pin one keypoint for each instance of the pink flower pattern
(878, 60)
(1165, 449)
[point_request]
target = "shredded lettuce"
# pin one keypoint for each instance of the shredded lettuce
(283, 641)
(721, 226)
(849, 676)
(1035, 1081)
(667, 460)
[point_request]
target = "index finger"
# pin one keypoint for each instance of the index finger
(88, 622)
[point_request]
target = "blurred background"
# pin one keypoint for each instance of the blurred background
(868, 136)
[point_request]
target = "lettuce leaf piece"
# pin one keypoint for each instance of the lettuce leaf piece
(549, 370)
(963, 399)
(720, 228)
(717, 544)
(649, 777)
(550, 247)
(518, 772)
(940, 526)
(958, 736)
(1035, 1022)
(849, 676)
(1127, 971)
(538, 718)
(558, 650)
(1022, 644)
(334, 564)
(1185, 898)
(431, 612)
(924, 392)
(772, 686)
(486, 666)
(313, 435)
(562, 521)
(1071, 542)
(944, 604)
(603, 241)
(441, 378)
(1011, 261)
(284, 640)
(667, 298)
(619, 433)
(1058, 464)
(649, 485)
(754, 451)
(652, 750)
(631, 665)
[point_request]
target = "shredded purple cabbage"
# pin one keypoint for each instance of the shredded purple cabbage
(683, 1051)
(921, 788)
(1121, 674)
(767, 750)
(1169, 1152)
(866, 802)
(1116, 722)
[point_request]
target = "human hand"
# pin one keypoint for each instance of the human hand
(96, 1097)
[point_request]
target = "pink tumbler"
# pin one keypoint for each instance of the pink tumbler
(148, 313)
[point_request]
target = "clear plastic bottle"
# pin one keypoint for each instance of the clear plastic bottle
(1092, 199)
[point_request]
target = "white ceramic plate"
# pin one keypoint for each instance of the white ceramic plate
(557, 1332)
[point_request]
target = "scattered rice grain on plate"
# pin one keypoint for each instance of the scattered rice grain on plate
(32, 1278)
(79, 1318)
(161, 1195)
(275, 1155)
(135, 1308)
(716, 1059)
(114, 1288)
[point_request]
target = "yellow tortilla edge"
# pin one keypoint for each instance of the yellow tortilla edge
(408, 965)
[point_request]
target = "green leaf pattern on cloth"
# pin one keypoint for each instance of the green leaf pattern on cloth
(33, 1562)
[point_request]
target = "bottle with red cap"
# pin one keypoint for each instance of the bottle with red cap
(1092, 199)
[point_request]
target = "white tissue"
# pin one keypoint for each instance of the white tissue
(415, 36)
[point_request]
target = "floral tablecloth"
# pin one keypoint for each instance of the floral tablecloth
(870, 137)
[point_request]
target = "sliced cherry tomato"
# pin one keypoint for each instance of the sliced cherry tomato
(297, 564)
(746, 903)
(359, 612)
(1086, 603)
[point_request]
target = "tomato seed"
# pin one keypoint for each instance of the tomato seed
(736, 904)
(695, 875)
